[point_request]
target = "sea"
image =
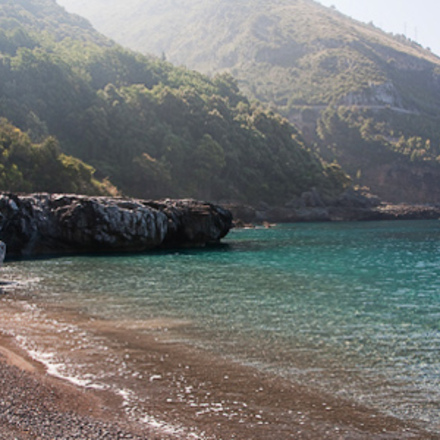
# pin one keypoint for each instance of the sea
(349, 308)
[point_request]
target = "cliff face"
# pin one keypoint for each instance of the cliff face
(376, 96)
(51, 224)
(419, 183)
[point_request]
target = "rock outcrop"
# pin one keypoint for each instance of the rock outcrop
(352, 205)
(2, 252)
(38, 224)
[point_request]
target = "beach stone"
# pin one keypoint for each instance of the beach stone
(36, 224)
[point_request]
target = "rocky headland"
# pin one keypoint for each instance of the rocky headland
(352, 205)
(50, 224)
(42, 224)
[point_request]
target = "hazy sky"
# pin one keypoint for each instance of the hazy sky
(417, 19)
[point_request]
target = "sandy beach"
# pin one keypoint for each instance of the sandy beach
(194, 394)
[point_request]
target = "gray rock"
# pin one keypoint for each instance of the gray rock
(360, 198)
(308, 199)
(59, 223)
(2, 252)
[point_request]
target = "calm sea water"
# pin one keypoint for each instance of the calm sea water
(350, 308)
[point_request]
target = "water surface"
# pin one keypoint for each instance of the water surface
(353, 309)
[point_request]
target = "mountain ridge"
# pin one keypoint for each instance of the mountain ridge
(305, 61)
(152, 129)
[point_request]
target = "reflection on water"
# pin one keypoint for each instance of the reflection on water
(353, 308)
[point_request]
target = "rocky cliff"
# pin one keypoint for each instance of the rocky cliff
(38, 224)
(352, 205)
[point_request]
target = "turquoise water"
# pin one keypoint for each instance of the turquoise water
(350, 308)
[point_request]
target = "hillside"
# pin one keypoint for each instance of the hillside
(26, 166)
(366, 98)
(151, 129)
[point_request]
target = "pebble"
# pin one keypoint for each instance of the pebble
(30, 410)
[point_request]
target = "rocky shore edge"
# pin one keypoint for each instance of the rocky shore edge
(52, 224)
(352, 205)
(42, 224)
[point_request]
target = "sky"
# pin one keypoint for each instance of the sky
(417, 19)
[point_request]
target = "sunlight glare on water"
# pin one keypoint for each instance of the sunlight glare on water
(351, 308)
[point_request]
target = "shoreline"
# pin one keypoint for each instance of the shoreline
(353, 208)
(190, 394)
(247, 215)
(35, 405)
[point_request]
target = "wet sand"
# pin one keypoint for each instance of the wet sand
(191, 392)
(34, 405)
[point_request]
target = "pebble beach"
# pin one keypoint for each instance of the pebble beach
(34, 405)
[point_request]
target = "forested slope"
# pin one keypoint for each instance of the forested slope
(366, 98)
(151, 129)
(26, 166)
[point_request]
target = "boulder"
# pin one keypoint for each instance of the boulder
(357, 198)
(308, 199)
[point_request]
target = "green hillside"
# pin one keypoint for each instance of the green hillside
(366, 98)
(30, 167)
(151, 129)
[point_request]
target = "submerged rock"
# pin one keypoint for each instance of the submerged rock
(59, 223)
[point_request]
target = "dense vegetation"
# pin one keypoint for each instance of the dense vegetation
(25, 166)
(363, 97)
(151, 129)
(287, 52)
